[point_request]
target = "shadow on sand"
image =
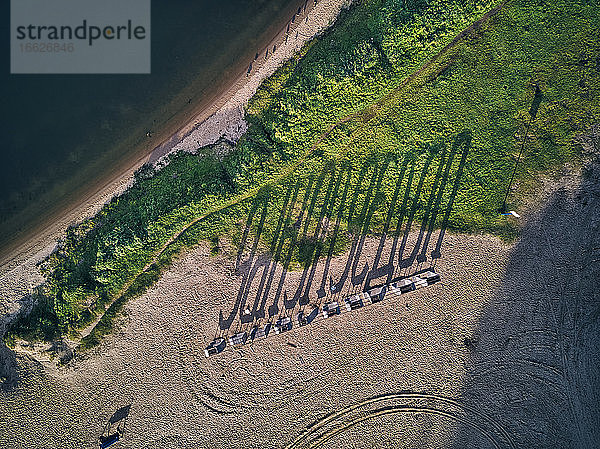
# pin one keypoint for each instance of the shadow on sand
(8, 368)
(534, 358)
(332, 206)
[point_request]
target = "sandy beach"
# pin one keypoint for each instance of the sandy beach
(491, 357)
(501, 354)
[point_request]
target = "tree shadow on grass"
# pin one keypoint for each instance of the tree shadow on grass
(435, 197)
(285, 231)
(377, 271)
(321, 290)
(258, 310)
(304, 254)
(293, 230)
(432, 210)
(405, 263)
(358, 279)
(316, 248)
(260, 202)
(337, 286)
(463, 140)
(317, 208)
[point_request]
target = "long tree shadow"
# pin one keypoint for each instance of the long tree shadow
(264, 262)
(312, 193)
(316, 242)
(246, 267)
(317, 209)
(404, 263)
(358, 279)
(435, 196)
(422, 257)
(462, 140)
(269, 272)
(337, 287)
(307, 245)
(336, 228)
(377, 271)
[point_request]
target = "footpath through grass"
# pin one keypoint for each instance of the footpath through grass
(482, 86)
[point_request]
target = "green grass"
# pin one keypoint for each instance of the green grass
(357, 77)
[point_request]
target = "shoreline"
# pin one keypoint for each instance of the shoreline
(211, 119)
(231, 97)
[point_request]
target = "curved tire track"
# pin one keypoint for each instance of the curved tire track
(401, 409)
(490, 428)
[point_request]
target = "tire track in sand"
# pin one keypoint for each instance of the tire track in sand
(401, 409)
(337, 422)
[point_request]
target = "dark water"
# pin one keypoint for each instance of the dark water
(61, 133)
